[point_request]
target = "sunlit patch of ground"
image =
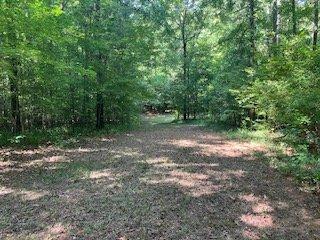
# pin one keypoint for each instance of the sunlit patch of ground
(57, 231)
(174, 182)
(250, 234)
(195, 184)
(220, 147)
(258, 221)
(23, 194)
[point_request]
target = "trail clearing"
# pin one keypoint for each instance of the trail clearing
(171, 182)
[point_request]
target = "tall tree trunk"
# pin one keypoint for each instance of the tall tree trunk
(276, 22)
(315, 24)
(85, 99)
(100, 111)
(2, 108)
(100, 99)
(14, 78)
(185, 55)
(100, 103)
(252, 30)
(294, 17)
(15, 103)
(73, 119)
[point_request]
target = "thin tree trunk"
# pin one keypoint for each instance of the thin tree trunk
(85, 81)
(252, 29)
(100, 111)
(184, 46)
(14, 79)
(100, 99)
(315, 24)
(294, 17)
(252, 32)
(15, 103)
(2, 107)
(72, 105)
(276, 22)
(195, 103)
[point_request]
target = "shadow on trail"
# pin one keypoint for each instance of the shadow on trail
(176, 182)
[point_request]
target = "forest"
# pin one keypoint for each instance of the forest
(96, 64)
(124, 119)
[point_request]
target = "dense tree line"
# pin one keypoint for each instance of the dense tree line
(97, 62)
(70, 62)
(248, 63)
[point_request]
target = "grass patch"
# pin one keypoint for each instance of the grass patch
(259, 135)
(198, 122)
(159, 119)
(64, 172)
(297, 162)
(303, 166)
(300, 164)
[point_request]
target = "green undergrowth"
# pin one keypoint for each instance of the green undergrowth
(67, 135)
(291, 160)
(59, 136)
(198, 122)
(158, 119)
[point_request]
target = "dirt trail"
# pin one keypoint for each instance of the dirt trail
(174, 182)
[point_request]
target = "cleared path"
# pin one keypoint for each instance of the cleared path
(172, 182)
